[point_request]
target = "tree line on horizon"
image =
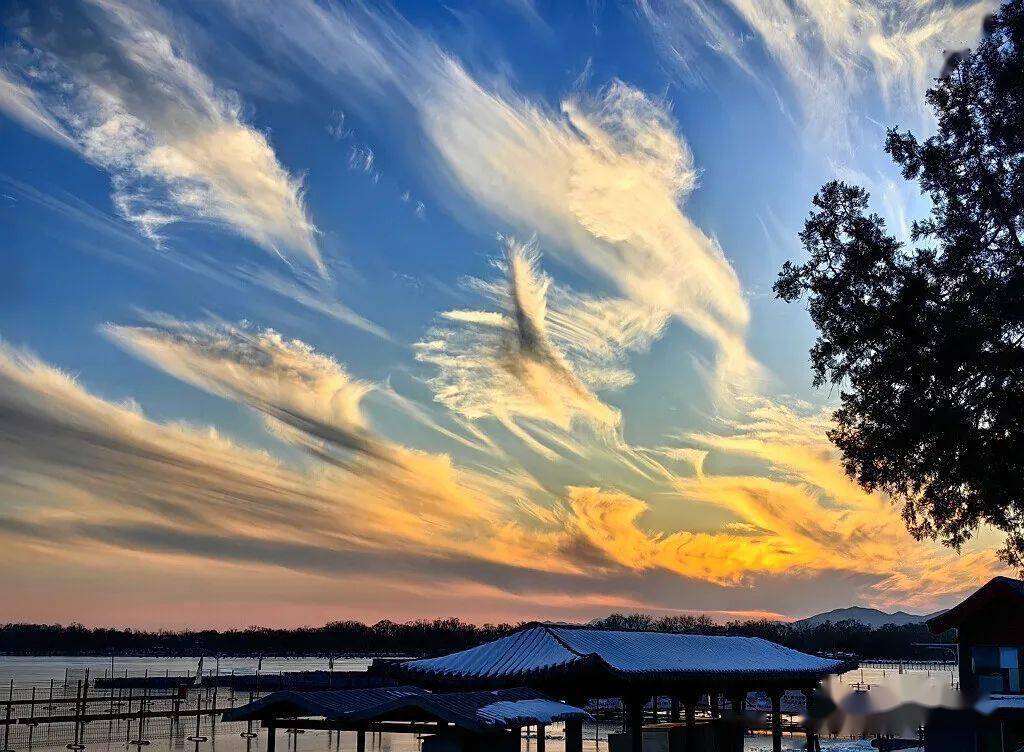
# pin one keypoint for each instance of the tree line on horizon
(439, 636)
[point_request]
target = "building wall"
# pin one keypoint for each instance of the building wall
(1001, 626)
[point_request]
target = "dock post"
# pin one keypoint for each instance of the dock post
(271, 736)
(673, 712)
(79, 712)
(360, 740)
(541, 733)
(128, 719)
(31, 716)
(7, 726)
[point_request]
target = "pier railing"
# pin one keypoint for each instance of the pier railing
(902, 665)
(77, 711)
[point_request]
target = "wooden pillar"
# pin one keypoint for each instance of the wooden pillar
(737, 701)
(808, 722)
(541, 729)
(713, 700)
(574, 735)
(635, 710)
(776, 697)
(690, 710)
(675, 710)
(361, 740)
(271, 737)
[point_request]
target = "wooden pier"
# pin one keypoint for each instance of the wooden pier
(901, 666)
(73, 713)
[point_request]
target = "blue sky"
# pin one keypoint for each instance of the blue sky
(409, 310)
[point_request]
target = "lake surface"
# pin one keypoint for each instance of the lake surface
(889, 689)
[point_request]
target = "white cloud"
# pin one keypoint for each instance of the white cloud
(602, 180)
(22, 105)
(836, 55)
(285, 380)
(360, 158)
(540, 355)
(72, 464)
(112, 79)
(314, 295)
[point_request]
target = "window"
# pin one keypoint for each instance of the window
(997, 668)
(1009, 664)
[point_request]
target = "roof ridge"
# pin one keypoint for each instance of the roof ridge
(550, 629)
(511, 657)
(953, 617)
(1004, 578)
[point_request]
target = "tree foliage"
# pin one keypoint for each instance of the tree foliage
(440, 636)
(924, 340)
(335, 638)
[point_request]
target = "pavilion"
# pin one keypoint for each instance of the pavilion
(478, 721)
(577, 663)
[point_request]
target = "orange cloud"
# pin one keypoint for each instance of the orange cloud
(96, 477)
(808, 503)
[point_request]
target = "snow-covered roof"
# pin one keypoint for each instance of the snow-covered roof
(476, 711)
(548, 648)
(1000, 702)
(331, 704)
(528, 712)
(994, 596)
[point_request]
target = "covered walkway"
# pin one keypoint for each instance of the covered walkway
(488, 720)
(577, 663)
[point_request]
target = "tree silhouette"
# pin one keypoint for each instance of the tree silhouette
(924, 340)
(440, 636)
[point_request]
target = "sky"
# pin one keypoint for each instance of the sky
(315, 311)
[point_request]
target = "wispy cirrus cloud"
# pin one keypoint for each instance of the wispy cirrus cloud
(98, 477)
(24, 106)
(836, 57)
(540, 354)
(109, 473)
(286, 381)
(823, 518)
(111, 80)
(800, 519)
(602, 178)
(311, 401)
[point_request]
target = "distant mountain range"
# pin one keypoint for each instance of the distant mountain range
(870, 617)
